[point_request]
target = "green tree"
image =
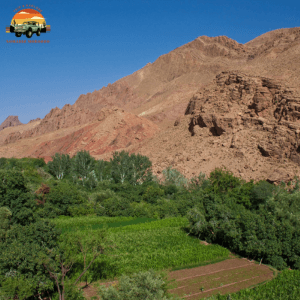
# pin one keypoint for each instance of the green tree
(5, 215)
(16, 197)
(174, 177)
(21, 272)
(83, 167)
(59, 261)
(61, 199)
(60, 165)
(135, 169)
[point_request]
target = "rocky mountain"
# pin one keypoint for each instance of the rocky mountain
(248, 124)
(208, 103)
(10, 121)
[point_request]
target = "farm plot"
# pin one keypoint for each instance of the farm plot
(224, 277)
(68, 224)
(158, 245)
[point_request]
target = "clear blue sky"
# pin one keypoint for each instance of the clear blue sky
(93, 43)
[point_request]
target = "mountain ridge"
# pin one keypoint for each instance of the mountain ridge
(159, 95)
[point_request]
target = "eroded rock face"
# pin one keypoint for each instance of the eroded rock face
(255, 112)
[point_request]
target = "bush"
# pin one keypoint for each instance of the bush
(139, 286)
(15, 195)
(61, 198)
(117, 206)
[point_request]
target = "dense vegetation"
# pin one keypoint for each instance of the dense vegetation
(47, 212)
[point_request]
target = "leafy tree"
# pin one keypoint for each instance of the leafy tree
(103, 170)
(174, 177)
(16, 197)
(3, 162)
(22, 274)
(152, 193)
(223, 180)
(261, 191)
(60, 165)
(116, 206)
(61, 198)
(135, 169)
(198, 182)
(83, 168)
(5, 215)
(59, 261)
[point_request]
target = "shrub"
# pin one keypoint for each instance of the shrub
(62, 196)
(15, 195)
(139, 286)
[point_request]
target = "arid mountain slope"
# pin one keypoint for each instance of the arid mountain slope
(246, 118)
(114, 129)
(248, 124)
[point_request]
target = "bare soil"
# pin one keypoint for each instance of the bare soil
(228, 276)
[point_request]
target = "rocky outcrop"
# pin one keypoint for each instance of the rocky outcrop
(255, 112)
(10, 121)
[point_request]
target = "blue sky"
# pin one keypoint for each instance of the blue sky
(93, 43)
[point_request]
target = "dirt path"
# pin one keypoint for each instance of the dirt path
(228, 276)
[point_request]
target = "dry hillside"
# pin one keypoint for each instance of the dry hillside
(208, 103)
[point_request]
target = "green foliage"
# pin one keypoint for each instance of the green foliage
(15, 284)
(64, 199)
(3, 162)
(158, 244)
(135, 169)
(223, 181)
(174, 177)
(103, 170)
(5, 215)
(261, 191)
(152, 193)
(60, 165)
(72, 292)
(268, 233)
(15, 196)
(83, 169)
(139, 286)
(115, 206)
(19, 264)
(285, 286)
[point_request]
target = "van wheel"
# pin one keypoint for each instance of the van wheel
(29, 34)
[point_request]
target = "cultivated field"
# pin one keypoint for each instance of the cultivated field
(156, 244)
(228, 276)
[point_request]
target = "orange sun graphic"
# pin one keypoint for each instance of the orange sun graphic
(26, 15)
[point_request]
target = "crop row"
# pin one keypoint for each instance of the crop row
(286, 286)
(158, 245)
